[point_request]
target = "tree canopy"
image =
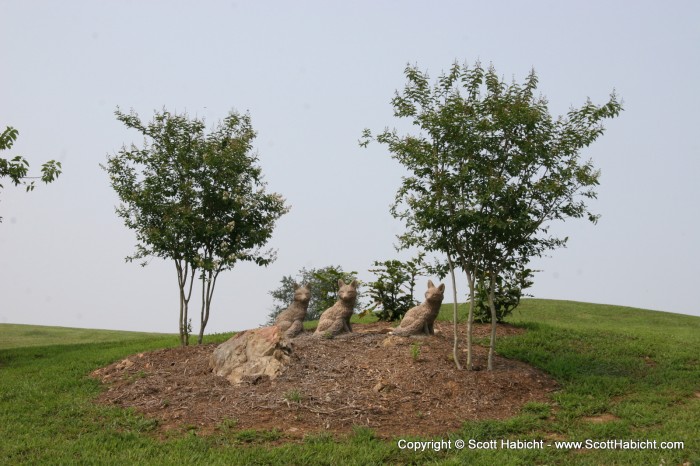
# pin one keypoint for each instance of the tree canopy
(195, 198)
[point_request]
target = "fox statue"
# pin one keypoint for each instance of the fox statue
(291, 320)
(420, 319)
(336, 319)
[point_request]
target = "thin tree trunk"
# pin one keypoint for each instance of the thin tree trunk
(183, 275)
(206, 301)
(492, 305)
(470, 318)
(181, 281)
(205, 282)
(187, 303)
(455, 348)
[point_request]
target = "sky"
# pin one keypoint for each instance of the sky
(313, 75)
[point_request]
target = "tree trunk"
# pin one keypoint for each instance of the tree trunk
(455, 348)
(181, 281)
(206, 301)
(470, 318)
(492, 305)
(183, 274)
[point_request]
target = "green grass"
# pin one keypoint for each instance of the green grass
(642, 367)
(18, 335)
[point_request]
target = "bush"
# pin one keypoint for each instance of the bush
(323, 284)
(392, 292)
(507, 294)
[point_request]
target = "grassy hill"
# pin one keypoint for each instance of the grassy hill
(625, 374)
(19, 336)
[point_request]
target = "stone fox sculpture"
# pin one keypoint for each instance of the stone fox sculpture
(336, 319)
(420, 319)
(291, 320)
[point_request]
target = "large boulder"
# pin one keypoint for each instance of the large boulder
(250, 355)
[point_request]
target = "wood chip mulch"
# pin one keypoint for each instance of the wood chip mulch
(360, 379)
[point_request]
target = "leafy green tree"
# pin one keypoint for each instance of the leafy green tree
(427, 200)
(323, 284)
(392, 291)
(17, 168)
(490, 170)
(197, 199)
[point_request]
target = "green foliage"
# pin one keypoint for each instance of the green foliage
(415, 351)
(195, 198)
(293, 396)
(323, 284)
(392, 291)
(491, 166)
(17, 168)
(507, 294)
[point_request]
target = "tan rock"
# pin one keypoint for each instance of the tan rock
(392, 340)
(251, 354)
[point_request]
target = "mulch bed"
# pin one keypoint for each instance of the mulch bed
(331, 385)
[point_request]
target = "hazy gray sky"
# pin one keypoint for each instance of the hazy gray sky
(313, 75)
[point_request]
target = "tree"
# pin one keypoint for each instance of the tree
(197, 199)
(392, 291)
(491, 172)
(17, 168)
(428, 200)
(323, 284)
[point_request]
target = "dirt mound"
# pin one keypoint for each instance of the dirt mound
(395, 386)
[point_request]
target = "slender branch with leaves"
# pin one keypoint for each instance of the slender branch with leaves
(17, 168)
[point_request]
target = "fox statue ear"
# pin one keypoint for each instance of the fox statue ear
(430, 284)
(307, 286)
(354, 284)
(441, 288)
(295, 285)
(341, 283)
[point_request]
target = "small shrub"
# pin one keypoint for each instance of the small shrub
(392, 291)
(293, 396)
(415, 351)
(508, 291)
(323, 284)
